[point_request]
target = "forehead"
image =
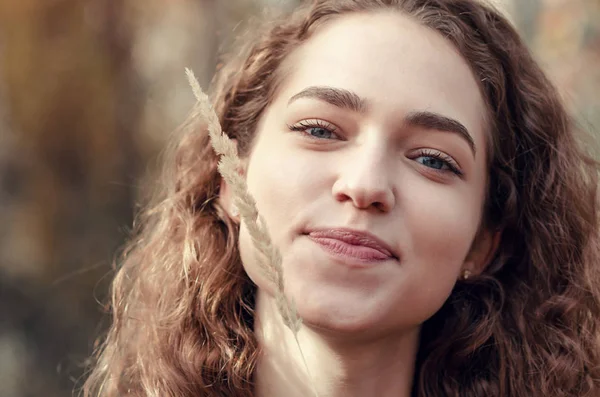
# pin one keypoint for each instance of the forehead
(391, 60)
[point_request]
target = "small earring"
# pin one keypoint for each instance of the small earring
(466, 274)
(235, 212)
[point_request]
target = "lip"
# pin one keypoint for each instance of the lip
(352, 244)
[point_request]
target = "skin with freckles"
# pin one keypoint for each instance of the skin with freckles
(378, 127)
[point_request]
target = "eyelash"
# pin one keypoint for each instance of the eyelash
(304, 125)
(447, 160)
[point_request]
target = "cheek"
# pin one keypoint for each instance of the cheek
(441, 220)
(439, 229)
(285, 185)
(442, 229)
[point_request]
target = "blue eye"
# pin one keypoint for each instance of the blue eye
(319, 132)
(438, 161)
(315, 129)
(433, 162)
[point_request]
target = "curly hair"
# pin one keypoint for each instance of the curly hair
(182, 305)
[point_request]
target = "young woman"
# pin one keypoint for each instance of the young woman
(433, 205)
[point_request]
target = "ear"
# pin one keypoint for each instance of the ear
(482, 251)
(226, 201)
(226, 198)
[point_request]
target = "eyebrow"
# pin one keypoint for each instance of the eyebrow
(349, 100)
(435, 121)
(336, 96)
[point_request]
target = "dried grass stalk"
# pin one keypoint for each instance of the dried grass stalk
(268, 255)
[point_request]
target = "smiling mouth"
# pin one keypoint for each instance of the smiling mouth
(351, 245)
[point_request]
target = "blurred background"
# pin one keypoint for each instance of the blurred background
(89, 92)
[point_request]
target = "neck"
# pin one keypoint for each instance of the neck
(337, 365)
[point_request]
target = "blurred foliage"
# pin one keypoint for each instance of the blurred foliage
(565, 36)
(89, 92)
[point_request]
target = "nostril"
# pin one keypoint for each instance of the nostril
(380, 206)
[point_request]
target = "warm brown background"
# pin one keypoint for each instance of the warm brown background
(89, 91)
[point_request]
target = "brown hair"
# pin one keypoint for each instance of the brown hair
(528, 326)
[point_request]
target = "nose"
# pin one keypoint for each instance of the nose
(364, 181)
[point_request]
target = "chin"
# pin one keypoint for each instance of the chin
(349, 330)
(339, 316)
(345, 327)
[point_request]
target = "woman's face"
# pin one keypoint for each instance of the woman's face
(377, 128)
